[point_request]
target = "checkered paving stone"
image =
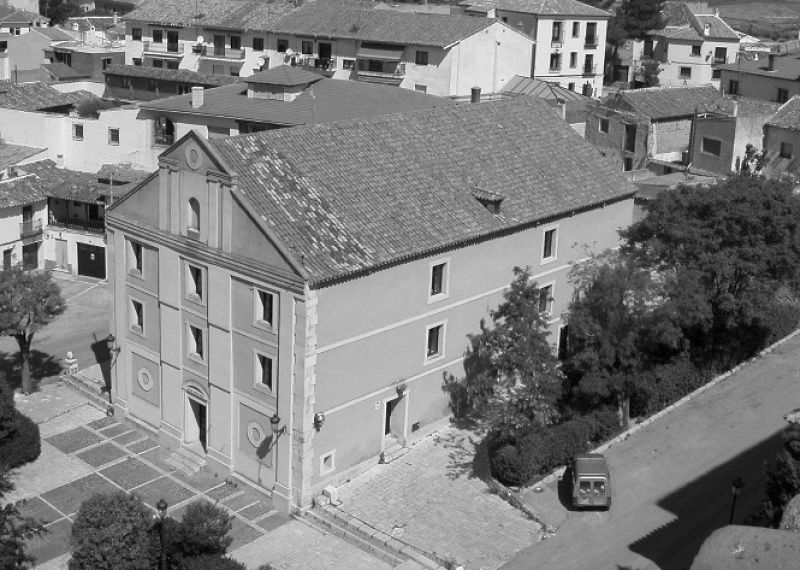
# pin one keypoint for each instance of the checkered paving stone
(129, 437)
(103, 423)
(68, 498)
(202, 480)
(130, 473)
(53, 544)
(115, 429)
(165, 488)
(247, 497)
(242, 534)
(37, 509)
(73, 440)
(272, 522)
(255, 511)
(141, 446)
(101, 455)
(156, 457)
(221, 492)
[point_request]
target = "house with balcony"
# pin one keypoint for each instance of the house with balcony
(287, 302)
(570, 38)
(440, 54)
(691, 47)
(139, 83)
(771, 77)
(274, 99)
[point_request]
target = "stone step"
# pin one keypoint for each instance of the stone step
(186, 462)
(91, 390)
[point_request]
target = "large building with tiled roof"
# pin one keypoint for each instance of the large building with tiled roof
(140, 83)
(570, 36)
(771, 77)
(348, 40)
(690, 47)
(286, 303)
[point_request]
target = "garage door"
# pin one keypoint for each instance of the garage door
(91, 260)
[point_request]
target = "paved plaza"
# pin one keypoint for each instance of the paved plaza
(431, 498)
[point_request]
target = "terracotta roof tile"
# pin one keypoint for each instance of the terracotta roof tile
(351, 196)
(228, 14)
(11, 154)
(668, 102)
(542, 7)
(177, 75)
(284, 75)
(788, 116)
(38, 96)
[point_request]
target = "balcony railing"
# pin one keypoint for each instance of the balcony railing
(91, 226)
(30, 228)
(163, 139)
(160, 47)
(590, 43)
(388, 77)
(589, 69)
(719, 60)
(221, 53)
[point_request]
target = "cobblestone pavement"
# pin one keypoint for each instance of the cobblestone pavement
(431, 498)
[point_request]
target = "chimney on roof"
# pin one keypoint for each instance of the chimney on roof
(475, 96)
(771, 62)
(707, 30)
(116, 18)
(197, 96)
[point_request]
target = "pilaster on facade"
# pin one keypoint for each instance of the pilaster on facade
(304, 387)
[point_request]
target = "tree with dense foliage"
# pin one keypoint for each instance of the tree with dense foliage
(635, 18)
(723, 253)
(20, 441)
(58, 10)
(15, 530)
(112, 532)
(203, 531)
(28, 301)
(783, 477)
(512, 376)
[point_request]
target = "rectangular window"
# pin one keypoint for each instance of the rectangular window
(591, 35)
(716, 73)
(627, 164)
(782, 95)
(546, 299)
(258, 44)
(573, 59)
(196, 342)
(137, 316)
(696, 50)
(438, 283)
(558, 32)
(711, 146)
(685, 73)
(630, 138)
(172, 64)
(786, 150)
(135, 258)
(576, 29)
(435, 344)
(265, 308)
(77, 132)
(420, 88)
(194, 283)
(236, 42)
(421, 58)
(720, 55)
(113, 137)
(234, 72)
(159, 63)
(647, 49)
(571, 86)
(283, 45)
(105, 62)
(137, 61)
(158, 36)
(549, 244)
(307, 47)
(602, 126)
(136, 34)
(555, 61)
(348, 64)
(264, 371)
(733, 87)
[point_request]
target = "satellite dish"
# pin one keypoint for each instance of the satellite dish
(199, 39)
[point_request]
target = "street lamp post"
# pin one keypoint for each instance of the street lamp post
(736, 488)
(162, 506)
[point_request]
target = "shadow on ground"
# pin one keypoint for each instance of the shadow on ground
(103, 357)
(42, 364)
(704, 505)
(468, 452)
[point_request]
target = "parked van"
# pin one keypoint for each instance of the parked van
(591, 481)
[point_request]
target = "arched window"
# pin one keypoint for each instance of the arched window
(193, 222)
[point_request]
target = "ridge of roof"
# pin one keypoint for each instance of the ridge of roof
(788, 116)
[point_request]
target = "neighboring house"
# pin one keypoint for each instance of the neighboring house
(21, 56)
(139, 83)
(434, 53)
(78, 130)
(570, 105)
(570, 38)
(286, 303)
(87, 60)
(719, 141)
(280, 97)
(782, 141)
(645, 126)
(690, 49)
(16, 22)
(771, 77)
(96, 30)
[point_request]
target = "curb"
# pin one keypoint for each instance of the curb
(647, 421)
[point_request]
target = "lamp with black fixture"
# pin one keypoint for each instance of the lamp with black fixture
(113, 348)
(162, 507)
(274, 421)
(319, 419)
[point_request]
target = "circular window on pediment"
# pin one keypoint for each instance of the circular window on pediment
(144, 379)
(255, 434)
(193, 158)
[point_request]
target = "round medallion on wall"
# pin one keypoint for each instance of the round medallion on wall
(193, 158)
(255, 434)
(144, 379)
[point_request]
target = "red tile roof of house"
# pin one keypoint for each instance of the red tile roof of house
(176, 75)
(540, 7)
(658, 103)
(284, 75)
(350, 197)
(225, 14)
(38, 97)
(788, 116)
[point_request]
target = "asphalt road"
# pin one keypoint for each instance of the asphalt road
(672, 479)
(82, 329)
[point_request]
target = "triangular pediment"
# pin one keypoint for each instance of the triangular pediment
(193, 153)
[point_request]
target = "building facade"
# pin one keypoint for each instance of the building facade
(782, 142)
(338, 301)
(769, 77)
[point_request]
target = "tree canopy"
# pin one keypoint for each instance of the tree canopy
(28, 301)
(15, 530)
(635, 18)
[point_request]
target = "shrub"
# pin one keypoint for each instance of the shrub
(780, 319)
(783, 478)
(203, 530)
(22, 443)
(112, 532)
(665, 385)
(211, 562)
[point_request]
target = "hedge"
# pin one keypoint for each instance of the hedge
(22, 443)
(211, 562)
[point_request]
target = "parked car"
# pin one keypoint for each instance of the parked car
(591, 482)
